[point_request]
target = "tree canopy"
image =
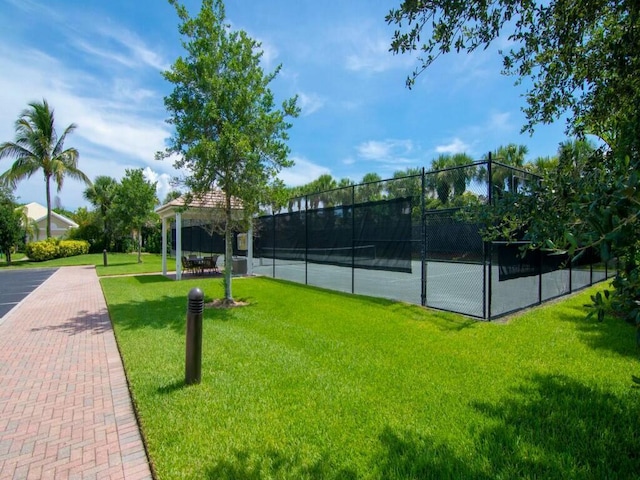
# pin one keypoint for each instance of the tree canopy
(133, 203)
(37, 147)
(228, 132)
(580, 55)
(581, 59)
(10, 223)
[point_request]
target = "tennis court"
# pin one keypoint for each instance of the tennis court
(412, 239)
(450, 286)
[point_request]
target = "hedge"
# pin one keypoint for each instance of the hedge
(54, 248)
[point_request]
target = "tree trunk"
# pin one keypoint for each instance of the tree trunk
(140, 245)
(47, 180)
(228, 249)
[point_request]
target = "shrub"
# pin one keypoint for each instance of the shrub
(54, 248)
(71, 248)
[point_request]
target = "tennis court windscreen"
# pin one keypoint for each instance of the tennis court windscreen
(373, 235)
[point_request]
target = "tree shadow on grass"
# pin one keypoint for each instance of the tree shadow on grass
(272, 464)
(408, 455)
(164, 312)
(613, 334)
(147, 279)
(553, 427)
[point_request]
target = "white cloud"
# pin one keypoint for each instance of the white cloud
(310, 103)
(302, 172)
(269, 55)
(366, 48)
(162, 181)
(121, 46)
(455, 146)
(372, 55)
(386, 150)
(112, 117)
(500, 121)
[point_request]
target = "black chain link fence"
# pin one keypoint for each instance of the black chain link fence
(408, 239)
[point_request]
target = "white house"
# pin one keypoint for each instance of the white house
(60, 224)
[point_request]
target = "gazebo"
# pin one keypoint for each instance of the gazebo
(203, 208)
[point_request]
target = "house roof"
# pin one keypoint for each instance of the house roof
(37, 212)
(214, 199)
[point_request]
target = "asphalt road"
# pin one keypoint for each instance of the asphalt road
(17, 284)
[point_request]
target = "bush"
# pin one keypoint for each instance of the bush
(54, 248)
(71, 248)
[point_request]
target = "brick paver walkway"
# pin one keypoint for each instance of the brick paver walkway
(65, 409)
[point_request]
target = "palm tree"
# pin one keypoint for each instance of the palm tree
(344, 196)
(38, 147)
(503, 178)
(322, 187)
(101, 195)
(369, 189)
(29, 225)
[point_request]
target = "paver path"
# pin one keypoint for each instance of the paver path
(65, 409)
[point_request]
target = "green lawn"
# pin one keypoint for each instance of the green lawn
(307, 383)
(117, 263)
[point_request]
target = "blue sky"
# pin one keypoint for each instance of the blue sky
(98, 64)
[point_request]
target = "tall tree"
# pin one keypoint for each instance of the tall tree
(228, 132)
(101, 195)
(451, 176)
(37, 147)
(133, 203)
(507, 179)
(582, 59)
(370, 188)
(10, 223)
(321, 191)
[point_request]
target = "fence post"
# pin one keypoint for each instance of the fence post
(540, 264)
(306, 240)
(423, 240)
(353, 243)
(273, 251)
(193, 363)
(490, 244)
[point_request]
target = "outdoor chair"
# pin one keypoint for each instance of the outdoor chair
(211, 263)
(188, 265)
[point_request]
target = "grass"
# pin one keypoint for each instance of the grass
(117, 263)
(307, 383)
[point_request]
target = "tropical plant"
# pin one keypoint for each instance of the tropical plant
(370, 188)
(450, 175)
(10, 223)
(320, 191)
(581, 60)
(504, 178)
(101, 195)
(133, 203)
(37, 147)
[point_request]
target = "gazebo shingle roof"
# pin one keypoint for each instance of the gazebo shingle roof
(212, 199)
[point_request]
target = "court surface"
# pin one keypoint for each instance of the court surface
(456, 287)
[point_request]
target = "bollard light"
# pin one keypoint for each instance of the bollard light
(193, 364)
(104, 257)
